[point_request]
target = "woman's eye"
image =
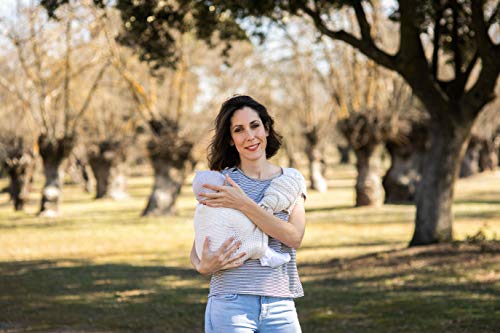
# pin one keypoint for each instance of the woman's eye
(236, 130)
(255, 125)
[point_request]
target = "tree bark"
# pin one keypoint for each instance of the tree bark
(80, 172)
(433, 223)
(488, 155)
(53, 152)
(344, 153)
(108, 160)
(316, 170)
(369, 191)
(401, 180)
(470, 162)
(290, 155)
(20, 170)
(170, 157)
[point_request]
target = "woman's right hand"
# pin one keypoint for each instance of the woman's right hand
(214, 261)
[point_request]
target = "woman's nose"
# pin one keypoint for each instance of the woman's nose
(250, 134)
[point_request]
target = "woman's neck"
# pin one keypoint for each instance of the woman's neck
(259, 169)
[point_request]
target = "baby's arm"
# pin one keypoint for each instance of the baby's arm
(283, 192)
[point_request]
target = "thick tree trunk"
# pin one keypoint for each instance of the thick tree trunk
(314, 158)
(407, 156)
(108, 160)
(470, 162)
(488, 155)
(369, 191)
(20, 170)
(434, 218)
(53, 152)
(290, 155)
(344, 152)
(318, 181)
(170, 157)
(80, 172)
(400, 181)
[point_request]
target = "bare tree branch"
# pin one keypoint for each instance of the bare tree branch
(88, 98)
(457, 53)
(67, 70)
(364, 26)
(436, 41)
(367, 48)
(488, 51)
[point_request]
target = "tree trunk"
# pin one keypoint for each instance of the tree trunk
(20, 170)
(344, 153)
(290, 154)
(434, 218)
(488, 155)
(108, 160)
(170, 157)
(401, 179)
(53, 152)
(318, 181)
(369, 191)
(470, 163)
(407, 155)
(80, 172)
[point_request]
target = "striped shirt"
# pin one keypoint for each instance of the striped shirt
(251, 277)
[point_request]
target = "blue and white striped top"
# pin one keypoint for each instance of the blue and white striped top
(251, 277)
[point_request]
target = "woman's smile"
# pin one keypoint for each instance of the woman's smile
(253, 147)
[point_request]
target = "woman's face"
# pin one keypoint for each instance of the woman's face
(248, 134)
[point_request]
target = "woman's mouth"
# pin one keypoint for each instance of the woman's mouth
(253, 147)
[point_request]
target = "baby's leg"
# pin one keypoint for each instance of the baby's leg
(273, 258)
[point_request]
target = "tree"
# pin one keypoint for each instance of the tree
(49, 91)
(108, 131)
(18, 151)
(482, 149)
(459, 30)
(310, 106)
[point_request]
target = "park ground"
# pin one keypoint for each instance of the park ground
(99, 267)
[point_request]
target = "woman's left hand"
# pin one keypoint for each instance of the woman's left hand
(225, 196)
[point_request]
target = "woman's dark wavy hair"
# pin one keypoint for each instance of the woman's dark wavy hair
(221, 154)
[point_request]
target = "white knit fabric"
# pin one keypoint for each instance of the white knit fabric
(283, 192)
(221, 223)
(206, 177)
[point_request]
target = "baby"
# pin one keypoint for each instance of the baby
(221, 223)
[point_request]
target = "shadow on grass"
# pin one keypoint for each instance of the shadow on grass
(477, 202)
(348, 245)
(327, 208)
(47, 295)
(410, 290)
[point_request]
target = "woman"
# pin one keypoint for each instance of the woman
(245, 296)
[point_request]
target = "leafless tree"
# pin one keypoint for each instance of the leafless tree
(59, 72)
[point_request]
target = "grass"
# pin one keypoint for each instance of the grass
(101, 268)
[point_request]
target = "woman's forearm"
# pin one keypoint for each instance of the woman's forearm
(290, 233)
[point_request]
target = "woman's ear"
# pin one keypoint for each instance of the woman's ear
(231, 143)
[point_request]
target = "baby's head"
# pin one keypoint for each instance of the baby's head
(206, 177)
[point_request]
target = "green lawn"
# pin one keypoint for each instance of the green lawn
(101, 268)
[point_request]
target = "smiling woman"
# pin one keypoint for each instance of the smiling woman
(247, 296)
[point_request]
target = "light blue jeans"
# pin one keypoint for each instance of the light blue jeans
(238, 313)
